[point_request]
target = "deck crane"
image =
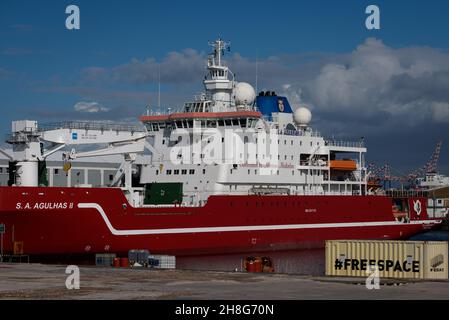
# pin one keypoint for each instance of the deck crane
(28, 141)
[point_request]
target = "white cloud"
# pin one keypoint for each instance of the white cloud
(440, 112)
(410, 83)
(177, 67)
(90, 107)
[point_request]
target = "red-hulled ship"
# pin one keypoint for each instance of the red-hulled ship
(231, 172)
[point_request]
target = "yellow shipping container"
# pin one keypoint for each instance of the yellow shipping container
(393, 258)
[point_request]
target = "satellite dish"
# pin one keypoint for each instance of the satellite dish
(302, 116)
(244, 94)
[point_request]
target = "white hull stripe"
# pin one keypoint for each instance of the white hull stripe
(243, 228)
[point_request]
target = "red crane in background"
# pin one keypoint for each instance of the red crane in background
(430, 167)
(382, 175)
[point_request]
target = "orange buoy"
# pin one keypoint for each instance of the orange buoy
(116, 262)
(124, 263)
(251, 266)
(258, 267)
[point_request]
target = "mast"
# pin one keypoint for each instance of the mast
(159, 86)
(219, 47)
(219, 82)
(257, 73)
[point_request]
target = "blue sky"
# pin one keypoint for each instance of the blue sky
(45, 69)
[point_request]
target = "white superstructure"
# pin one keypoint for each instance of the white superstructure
(433, 180)
(228, 141)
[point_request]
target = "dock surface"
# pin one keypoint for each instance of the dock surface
(38, 281)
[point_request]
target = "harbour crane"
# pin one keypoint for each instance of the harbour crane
(383, 173)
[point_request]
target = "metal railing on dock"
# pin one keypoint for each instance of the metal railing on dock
(15, 258)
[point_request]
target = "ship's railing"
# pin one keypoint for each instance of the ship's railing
(156, 111)
(347, 144)
(406, 193)
(91, 125)
(299, 133)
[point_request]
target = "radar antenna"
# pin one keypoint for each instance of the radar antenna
(219, 47)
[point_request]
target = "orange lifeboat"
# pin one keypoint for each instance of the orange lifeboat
(345, 165)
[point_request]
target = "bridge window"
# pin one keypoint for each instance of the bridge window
(192, 171)
(168, 172)
(176, 171)
(183, 171)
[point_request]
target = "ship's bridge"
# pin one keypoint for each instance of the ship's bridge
(198, 106)
(201, 119)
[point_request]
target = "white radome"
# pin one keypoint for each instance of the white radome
(244, 94)
(302, 116)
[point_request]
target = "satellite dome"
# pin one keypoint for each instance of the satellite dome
(244, 94)
(302, 116)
